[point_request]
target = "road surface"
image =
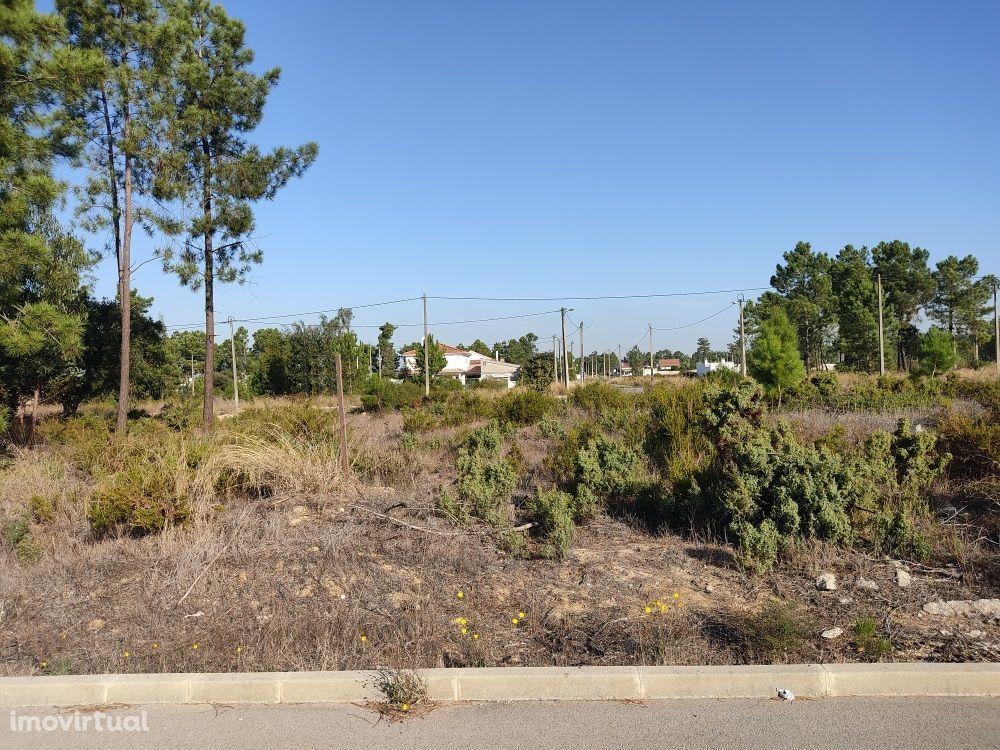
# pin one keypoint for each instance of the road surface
(886, 724)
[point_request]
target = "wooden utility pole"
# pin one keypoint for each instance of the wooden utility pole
(236, 380)
(583, 357)
(996, 326)
(345, 464)
(881, 331)
(565, 353)
(192, 373)
(743, 342)
(555, 360)
(427, 369)
(650, 352)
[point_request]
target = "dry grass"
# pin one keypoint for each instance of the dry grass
(292, 566)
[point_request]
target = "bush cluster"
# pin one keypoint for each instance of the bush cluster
(486, 476)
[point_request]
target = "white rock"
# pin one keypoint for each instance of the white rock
(867, 585)
(967, 607)
(826, 582)
(785, 694)
(832, 633)
(903, 578)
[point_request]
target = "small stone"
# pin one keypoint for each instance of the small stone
(946, 633)
(845, 600)
(903, 579)
(967, 607)
(832, 633)
(826, 582)
(709, 588)
(867, 585)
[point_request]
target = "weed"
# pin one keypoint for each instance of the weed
(553, 511)
(869, 640)
(401, 688)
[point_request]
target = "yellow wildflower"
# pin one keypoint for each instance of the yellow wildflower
(405, 707)
(460, 595)
(520, 615)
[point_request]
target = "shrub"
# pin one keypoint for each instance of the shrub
(486, 479)
(418, 420)
(764, 487)
(598, 397)
(605, 470)
(524, 407)
(141, 499)
(553, 511)
(182, 414)
(777, 629)
(401, 688)
(551, 428)
(381, 394)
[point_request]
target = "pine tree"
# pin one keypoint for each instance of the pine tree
(122, 119)
(908, 287)
(774, 358)
(213, 169)
(960, 300)
(41, 292)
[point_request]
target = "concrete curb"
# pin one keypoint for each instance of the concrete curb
(512, 684)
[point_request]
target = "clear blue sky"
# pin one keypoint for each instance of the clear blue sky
(523, 149)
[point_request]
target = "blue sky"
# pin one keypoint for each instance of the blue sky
(548, 149)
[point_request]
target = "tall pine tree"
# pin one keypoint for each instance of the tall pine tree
(212, 169)
(123, 119)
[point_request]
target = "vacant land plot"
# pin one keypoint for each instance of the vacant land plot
(690, 523)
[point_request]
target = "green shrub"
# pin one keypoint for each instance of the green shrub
(597, 397)
(486, 479)
(605, 471)
(419, 420)
(43, 509)
(524, 407)
(763, 487)
(452, 508)
(442, 388)
(551, 428)
(381, 394)
(142, 498)
(553, 511)
(182, 414)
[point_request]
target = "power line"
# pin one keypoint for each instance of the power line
(602, 297)
(689, 325)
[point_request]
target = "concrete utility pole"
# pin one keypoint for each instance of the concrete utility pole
(881, 331)
(427, 369)
(650, 352)
(565, 353)
(236, 380)
(743, 342)
(583, 357)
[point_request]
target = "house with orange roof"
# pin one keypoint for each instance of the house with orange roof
(464, 365)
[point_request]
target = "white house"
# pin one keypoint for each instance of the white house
(703, 368)
(465, 365)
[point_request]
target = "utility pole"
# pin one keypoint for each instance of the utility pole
(651, 352)
(345, 463)
(583, 357)
(743, 342)
(192, 372)
(881, 331)
(565, 353)
(427, 369)
(236, 380)
(620, 358)
(555, 359)
(996, 326)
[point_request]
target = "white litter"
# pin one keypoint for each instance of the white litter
(785, 694)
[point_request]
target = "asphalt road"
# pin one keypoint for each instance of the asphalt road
(886, 724)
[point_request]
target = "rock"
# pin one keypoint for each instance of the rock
(826, 582)
(966, 607)
(709, 588)
(903, 578)
(785, 694)
(94, 625)
(975, 634)
(845, 600)
(832, 633)
(864, 583)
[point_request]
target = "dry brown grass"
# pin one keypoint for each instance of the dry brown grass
(302, 568)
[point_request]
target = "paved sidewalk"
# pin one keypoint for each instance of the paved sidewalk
(883, 723)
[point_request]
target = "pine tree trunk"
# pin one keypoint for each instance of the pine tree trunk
(125, 302)
(209, 412)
